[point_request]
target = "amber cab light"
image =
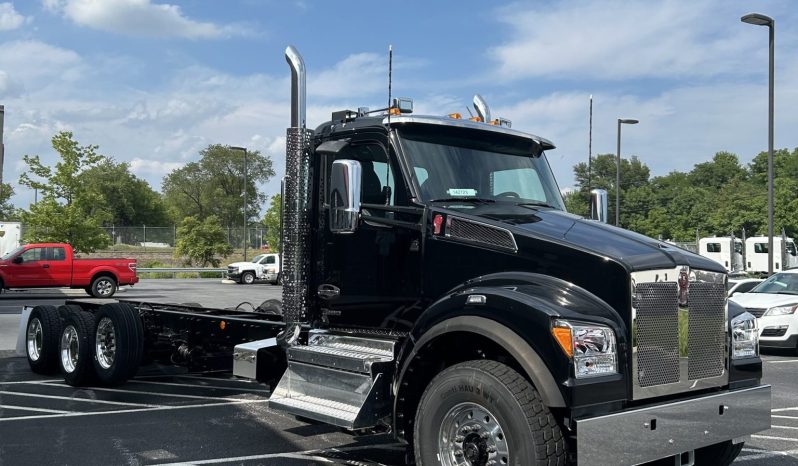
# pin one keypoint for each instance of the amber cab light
(564, 337)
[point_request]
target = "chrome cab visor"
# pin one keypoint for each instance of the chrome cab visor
(680, 338)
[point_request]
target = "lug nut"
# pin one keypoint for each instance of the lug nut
(485, 435)
(458, 453)
(459, 438)
(491, 449)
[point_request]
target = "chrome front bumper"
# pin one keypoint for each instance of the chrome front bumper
(646, 434)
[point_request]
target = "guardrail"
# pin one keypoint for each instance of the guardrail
(175, 270)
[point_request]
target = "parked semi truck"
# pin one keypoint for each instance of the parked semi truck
(435, 287)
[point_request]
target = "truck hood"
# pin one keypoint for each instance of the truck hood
(763, 300)
(632, 250)
(243, 264)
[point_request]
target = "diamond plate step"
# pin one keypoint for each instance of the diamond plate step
(339, 357)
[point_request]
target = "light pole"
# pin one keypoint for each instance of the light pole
(244, 150)
(627, 121)
(762, 20)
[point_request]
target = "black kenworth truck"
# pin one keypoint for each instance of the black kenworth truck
(435, 287)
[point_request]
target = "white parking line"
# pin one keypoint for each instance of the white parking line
(125, 411)
(243, 389)
(784, 427)
(783, 417)
(783, 361)
(779, 410)
(768, 437)
(764, 454)
(307, 454)
(41, 410)
(141, 392)
(87, 400)
(199, 377)
(16, 382)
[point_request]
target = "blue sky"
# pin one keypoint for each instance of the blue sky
(152, 82)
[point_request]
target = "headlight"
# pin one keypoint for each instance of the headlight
(591, 347)
(745, 336)
(781, 310)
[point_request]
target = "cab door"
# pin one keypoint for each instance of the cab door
(60, 269)
(370, 277)
(29, 269)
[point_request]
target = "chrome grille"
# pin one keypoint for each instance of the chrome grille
(657, 333)
(679, 331)
(706, 345)
(757, 312)
(475, 232)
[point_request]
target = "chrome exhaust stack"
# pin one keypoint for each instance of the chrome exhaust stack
(481, 106)
(296, 208)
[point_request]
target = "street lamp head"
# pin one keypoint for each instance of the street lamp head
(628, 121)
(757, 19)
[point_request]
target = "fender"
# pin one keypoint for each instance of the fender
(517, 315)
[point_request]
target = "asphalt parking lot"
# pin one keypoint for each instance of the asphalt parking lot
(167, 416)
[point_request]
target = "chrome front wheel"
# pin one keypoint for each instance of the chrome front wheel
(470, 435)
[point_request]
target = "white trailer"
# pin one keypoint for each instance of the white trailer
(10, 233)
(756, 254)
(725, 250)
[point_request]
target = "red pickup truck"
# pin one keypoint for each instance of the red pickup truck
(54, 265)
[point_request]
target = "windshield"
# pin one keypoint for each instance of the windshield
(12, 252)
(781, 283)
(257, 258)
(453, 165)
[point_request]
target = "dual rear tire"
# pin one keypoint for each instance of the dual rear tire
(106, 346)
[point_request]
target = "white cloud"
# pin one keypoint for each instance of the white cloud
(136, 18)
(9, 18)
(620, 40)
(141, 167)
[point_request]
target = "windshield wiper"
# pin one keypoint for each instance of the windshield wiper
(535, 204)
(464, 199)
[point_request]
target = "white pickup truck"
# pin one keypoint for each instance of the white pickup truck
(262, 267)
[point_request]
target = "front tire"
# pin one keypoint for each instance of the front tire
(42, 336)
(118, 343)
(76, 347)
(103, 287)
(247, 278)
(482, 411)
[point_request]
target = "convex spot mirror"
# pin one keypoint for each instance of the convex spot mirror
(345, 196)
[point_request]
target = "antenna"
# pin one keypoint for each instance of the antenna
(390, 77)
(469, 111)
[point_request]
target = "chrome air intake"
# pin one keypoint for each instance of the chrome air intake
(679, 331)
(483, 111)
(296, 207)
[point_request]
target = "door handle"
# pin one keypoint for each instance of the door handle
(328, 291)
(46, 266)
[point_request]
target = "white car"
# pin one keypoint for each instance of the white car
(262, 267)
(742, 285)
(774, 302)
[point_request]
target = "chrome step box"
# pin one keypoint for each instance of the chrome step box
(337, 379)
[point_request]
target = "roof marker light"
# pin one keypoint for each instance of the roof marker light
(455, 115)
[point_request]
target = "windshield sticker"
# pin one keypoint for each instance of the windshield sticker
(461, 192)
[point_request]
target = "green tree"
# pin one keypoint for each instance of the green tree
(634, 174)
(202, 242)
(215, 184)
(126, 199)
(7, 210)
(719, 172)
(62, 214)
(272, 223)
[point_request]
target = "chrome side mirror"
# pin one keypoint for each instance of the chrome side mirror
(598, 205)
(344, 196)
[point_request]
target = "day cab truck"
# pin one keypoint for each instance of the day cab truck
(51, 265)
(435, 287)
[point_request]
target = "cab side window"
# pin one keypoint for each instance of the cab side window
(270, 260)
(56, 254)
(33, 255)
(377, 182)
